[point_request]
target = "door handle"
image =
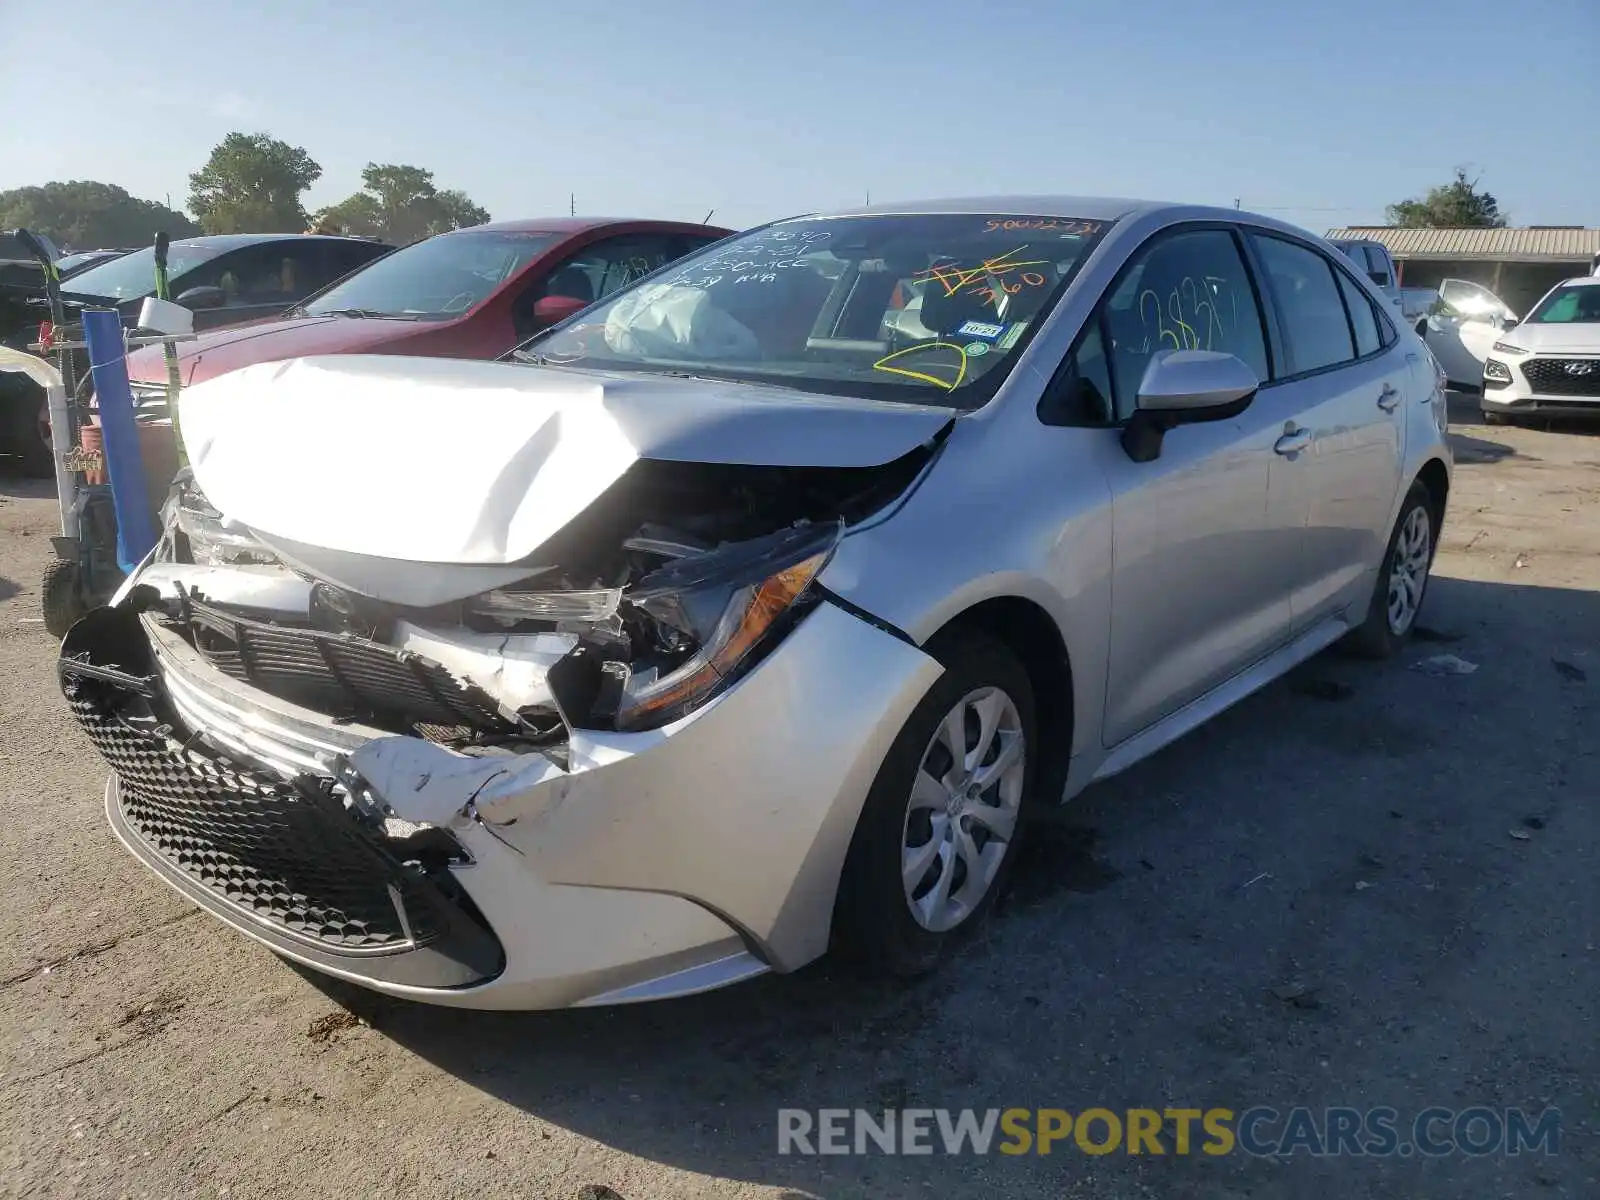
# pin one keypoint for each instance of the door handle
(1293, 441)
(1389, 398)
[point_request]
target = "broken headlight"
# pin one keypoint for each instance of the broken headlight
(714, 613)
(212, 539)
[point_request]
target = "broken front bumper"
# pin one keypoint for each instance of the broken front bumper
(654, 864)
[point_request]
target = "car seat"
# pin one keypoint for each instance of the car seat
(572, 281)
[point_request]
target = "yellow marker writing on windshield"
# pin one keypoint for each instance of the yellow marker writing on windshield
(923, 376)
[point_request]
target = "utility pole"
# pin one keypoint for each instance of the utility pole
(572, 203)
(1236, 202)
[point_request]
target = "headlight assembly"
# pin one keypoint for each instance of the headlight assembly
(716, 613)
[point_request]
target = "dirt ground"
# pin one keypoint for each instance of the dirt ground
(1420, 853)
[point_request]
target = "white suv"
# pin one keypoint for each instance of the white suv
(1551, 361)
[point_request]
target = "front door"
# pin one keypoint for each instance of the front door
(1465, 329)
(1200, 576)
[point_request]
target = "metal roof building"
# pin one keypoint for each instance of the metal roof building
(1518, 265)
(1535, 244)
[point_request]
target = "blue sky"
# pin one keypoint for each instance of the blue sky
(1319, 113)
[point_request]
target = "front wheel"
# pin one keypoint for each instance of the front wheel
(1402, 579)
(939, 828)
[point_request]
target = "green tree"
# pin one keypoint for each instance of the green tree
(85, 215)
(400, 204)
(1455, 205)
(252, 183)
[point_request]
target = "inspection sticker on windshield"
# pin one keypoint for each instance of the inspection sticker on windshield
(980, 329)
(976, 349)
(1011, 336)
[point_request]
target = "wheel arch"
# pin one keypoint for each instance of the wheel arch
(1028, 630)
(1434, 476)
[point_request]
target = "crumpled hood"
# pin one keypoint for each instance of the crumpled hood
(1555, 337)
(275, 340)
(448, 461)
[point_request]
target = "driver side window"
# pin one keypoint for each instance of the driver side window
(1188, 290)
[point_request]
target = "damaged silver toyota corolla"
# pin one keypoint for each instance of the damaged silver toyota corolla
(742, 614)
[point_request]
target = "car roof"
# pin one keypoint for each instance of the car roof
(572, 225)
(1581, 281)
(233, 241)
(1088, 208)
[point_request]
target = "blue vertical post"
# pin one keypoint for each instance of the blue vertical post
(108, 363)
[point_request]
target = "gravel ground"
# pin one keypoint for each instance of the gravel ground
(1419, 853)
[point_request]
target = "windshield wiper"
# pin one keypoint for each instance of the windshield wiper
(354, 312)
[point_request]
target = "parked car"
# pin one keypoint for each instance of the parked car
(473, 293)
(1373, 257)
(1463, 326)
(225, 279)
(739, 615)
(69, 265)
(1551, 361)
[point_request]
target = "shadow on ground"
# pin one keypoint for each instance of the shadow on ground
(1343, 832)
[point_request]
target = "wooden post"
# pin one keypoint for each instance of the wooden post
(1495, 286)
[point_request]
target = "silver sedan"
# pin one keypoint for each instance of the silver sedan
(748, 613)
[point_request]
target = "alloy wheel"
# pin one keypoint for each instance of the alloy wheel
(963, 808)
(1408, 569)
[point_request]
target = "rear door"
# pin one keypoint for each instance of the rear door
(1346, 381)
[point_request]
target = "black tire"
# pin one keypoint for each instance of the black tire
(1376, 637)
(61, 596)
(21, 402)
(872, 921)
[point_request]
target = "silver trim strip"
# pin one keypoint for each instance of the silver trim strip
(687, 982)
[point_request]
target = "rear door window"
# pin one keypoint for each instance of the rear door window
(1363, 320)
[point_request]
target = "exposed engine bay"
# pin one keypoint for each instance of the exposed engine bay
(647, 605)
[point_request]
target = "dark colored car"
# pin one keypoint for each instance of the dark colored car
(227, 278)
(471, 293)
(69, 265)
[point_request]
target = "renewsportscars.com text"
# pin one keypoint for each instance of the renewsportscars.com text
(1261, 1131)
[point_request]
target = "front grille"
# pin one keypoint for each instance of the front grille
(271, 849)
(1563, 376)
(286, 859)
(342, 675)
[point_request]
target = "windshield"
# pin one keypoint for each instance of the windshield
(1569, 304)
(433, 280)
(135, 274)
(926, 309)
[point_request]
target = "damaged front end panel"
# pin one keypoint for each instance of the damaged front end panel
(646, 607)
(333, 769)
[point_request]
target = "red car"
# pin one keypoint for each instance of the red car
(472, 293)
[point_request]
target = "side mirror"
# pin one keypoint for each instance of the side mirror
(197, 298)
(553, 309)
(1184, 387)
(1380, 278)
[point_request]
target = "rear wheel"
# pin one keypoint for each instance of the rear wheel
(1402, 580)
(939, 829)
